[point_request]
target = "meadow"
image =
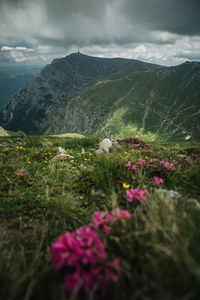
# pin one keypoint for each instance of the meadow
(117, 225)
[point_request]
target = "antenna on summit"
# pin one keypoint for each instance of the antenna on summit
(78, 51)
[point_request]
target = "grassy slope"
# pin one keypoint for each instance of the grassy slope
(159, 247)
(166, 106)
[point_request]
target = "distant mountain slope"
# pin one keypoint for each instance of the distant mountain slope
(85, 94)
(12, 81)
(165, 102)
(58, 83)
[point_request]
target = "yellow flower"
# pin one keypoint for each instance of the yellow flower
(126, 186)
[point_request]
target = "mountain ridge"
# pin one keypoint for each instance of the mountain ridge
(80, 93)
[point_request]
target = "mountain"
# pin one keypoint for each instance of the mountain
(12, 80)
(84, 94)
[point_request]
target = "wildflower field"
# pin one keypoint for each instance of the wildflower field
(117, 225)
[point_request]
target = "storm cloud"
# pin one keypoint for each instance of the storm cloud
(161, 31)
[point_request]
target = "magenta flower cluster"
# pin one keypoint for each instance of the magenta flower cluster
(101, 219)
(191, 158)
(158, 180)
(167, 165)
(85, 254)
(135, 194)
(134, 166)
(129, 165)
(137, 144)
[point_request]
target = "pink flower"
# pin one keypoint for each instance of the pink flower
(132, 194)
(21, 175)
(167, 165)
(84, 251)
(100, 218)
(128, 164)
(120, 214)
(107, 230)
(189, 160)
(142, 195)
(155, 159)
(158, 180)
(141, 161)
(135, 194)
(61, 249)
(134, 167)
(72, 280)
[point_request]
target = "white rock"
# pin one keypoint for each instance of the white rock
(98, 151)
(60, 150)
(105, 145)
(182, 155)
(168, 194)
(188, 137)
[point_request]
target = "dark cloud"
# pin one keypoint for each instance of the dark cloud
(176, 16)
(111, 26)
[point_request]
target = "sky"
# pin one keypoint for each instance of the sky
(165, 32)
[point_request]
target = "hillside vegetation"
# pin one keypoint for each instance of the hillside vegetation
(134, 210)
(162, 103)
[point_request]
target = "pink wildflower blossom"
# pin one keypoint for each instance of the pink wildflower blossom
(120, 214)
(155, 159)
(135, 194)
(158, 180)
(128, 164)
(189, 160)
(84, 251)
(101, 219)
(141, 161)
(134, 167)
(167, 165)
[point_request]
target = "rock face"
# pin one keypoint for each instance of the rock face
(90, 95)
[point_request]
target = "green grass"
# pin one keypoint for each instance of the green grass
(159, 247)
